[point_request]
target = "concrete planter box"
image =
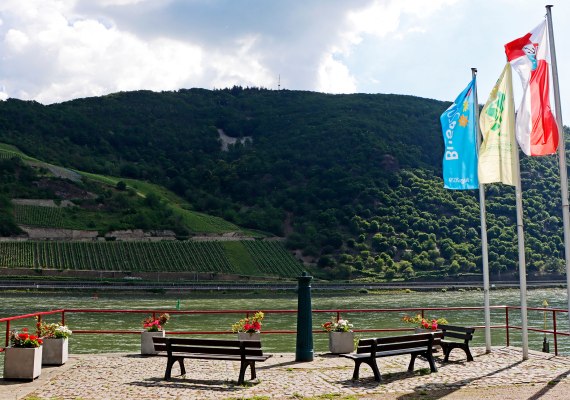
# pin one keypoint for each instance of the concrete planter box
(147, 346)
(22, 363)
(55, 351)
(341, 342)
(249, 336)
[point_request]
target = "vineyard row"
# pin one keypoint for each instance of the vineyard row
(270, 257)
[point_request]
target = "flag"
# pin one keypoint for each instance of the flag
(536, 129)
(497, 122)
(460, 142)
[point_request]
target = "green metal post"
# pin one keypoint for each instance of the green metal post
(304, 350)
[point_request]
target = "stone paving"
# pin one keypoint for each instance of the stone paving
(130, 376)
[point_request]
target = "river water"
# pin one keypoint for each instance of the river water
(28, 302)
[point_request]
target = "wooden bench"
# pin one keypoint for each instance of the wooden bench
(368, 350)
(456, 332)
(247, 352)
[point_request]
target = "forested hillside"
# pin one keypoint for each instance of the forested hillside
(352, 181)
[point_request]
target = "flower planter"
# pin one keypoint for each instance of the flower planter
(55, 351)
(341, 342)
(147, 345)
(22, 363)
(249, 336)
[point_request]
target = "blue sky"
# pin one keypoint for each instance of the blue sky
(57, 50)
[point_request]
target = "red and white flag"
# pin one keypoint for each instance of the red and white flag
(536, 129)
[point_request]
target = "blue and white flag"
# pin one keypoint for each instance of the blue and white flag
(460, 142)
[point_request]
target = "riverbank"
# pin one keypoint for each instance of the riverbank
(179, 287)
(502, 374)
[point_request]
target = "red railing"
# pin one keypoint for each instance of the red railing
(337, 312)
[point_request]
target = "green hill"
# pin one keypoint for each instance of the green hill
(352, 181)
(60, 199)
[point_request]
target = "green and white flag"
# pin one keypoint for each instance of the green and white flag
(497, 122)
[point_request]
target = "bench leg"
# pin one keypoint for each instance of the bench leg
(412, 361)
(170, 362)
(468, 353)
(243, 368)
(252, 368)
(429, 356)
(373, 366)
(446, 350)
(181, 363)
(356, 369)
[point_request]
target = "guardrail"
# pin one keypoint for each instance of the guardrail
(420, 310)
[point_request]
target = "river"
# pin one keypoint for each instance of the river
(17, 303)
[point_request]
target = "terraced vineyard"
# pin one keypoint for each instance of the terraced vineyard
(270, 257)
(59, 217)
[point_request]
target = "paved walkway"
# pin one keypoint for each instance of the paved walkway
(499, 375)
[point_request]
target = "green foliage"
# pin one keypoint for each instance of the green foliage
(353, 181)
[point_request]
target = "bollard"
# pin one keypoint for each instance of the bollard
(545, 344)
(304, 349)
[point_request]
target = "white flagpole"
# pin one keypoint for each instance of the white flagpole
(484, 247)
(561, 152)
(520, 237)
(522, 258)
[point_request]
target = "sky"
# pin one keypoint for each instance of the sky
(57, 50)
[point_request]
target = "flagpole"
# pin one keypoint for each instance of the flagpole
(561, 151)
(522, 258)
(484, 247)
(520, 237)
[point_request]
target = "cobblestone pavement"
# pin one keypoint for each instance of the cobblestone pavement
(502, 374)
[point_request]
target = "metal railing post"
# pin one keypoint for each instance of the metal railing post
(507, 325)
(7, 333)
(39, 319)
(555, 333)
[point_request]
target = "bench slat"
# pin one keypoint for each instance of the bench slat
(387, 353)
(393, 346)
(207, 342)
(214, 350)
(208, 356)
(456, 328)
(462, 336)
(397, 339)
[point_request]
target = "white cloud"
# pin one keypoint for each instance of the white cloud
(378, 20)
(334, 77)
(16, 40)
(55, 50)
(107, 3)
(242, 67)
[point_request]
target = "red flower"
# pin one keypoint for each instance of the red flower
(256, 326)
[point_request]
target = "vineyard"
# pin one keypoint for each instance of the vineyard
(58, 217)
(269, 257)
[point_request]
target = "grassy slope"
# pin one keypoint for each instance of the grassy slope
(195, 221)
